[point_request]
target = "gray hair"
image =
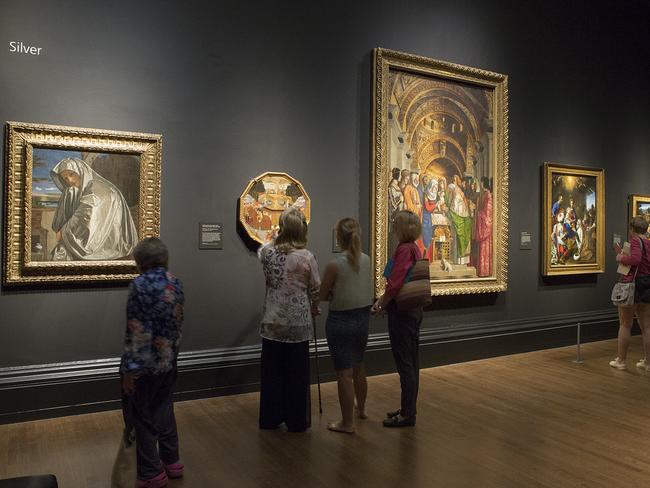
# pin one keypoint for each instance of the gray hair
(151, 253)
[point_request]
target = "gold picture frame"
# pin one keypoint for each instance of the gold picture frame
(449, 123)
(573, 220)
(133, 161)
(638, 205)
(265, 198)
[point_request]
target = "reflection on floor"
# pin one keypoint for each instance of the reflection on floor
(529, 420)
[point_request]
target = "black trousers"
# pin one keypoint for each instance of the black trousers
(150, 411)
(404, 333)
(285, 395)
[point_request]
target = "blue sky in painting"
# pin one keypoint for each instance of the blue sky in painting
(44, 160)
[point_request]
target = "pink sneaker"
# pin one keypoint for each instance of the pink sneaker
(159, 481)
(175, 470)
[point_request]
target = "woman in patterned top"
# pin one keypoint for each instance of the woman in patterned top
(153, 335)
(292, 285)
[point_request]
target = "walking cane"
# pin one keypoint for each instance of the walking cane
(320, 403)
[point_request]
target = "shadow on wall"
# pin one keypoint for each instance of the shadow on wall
(444, 302)
(567, 280)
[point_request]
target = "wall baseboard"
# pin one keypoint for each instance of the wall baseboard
(52, 390)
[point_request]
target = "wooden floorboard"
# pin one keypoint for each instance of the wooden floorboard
(528, 420)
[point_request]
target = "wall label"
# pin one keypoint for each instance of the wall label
(210, 236)
(526, 241)
(20, 47)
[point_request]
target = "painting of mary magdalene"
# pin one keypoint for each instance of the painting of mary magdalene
(84, 205)
(80, 201)
(442, 157)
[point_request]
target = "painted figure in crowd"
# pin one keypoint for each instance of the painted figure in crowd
(412, 196)
(483, 229)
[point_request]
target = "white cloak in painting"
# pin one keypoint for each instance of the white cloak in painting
(93, 218)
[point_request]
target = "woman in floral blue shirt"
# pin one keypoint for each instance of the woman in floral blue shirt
(153, 335)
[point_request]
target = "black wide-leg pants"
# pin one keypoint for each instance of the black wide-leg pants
(284, 392)
(404, 334)
(150, 411)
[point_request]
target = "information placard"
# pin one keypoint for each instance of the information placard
(210, 235)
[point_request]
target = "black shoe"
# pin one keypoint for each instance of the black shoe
(390, 415)
(399, 422)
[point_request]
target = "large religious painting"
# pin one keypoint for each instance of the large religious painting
(639, 206)
(77, 203)
(573, 220)
(263, 201)
(440, 150)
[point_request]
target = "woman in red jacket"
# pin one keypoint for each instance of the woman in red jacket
(403, 325)
(639, 262)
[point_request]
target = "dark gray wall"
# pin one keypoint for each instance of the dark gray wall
(237, 89)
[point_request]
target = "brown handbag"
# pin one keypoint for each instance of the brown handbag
(416, 290)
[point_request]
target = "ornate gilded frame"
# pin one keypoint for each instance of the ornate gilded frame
(20, 141)
(251, 183)
(384, 61)
(632, 202)
(548, 269)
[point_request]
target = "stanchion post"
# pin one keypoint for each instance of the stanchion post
(578, 359)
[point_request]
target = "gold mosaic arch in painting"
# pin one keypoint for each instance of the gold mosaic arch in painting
(263, 201)
(442, 120)
(22, 264)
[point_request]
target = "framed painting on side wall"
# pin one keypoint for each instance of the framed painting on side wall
(639, 206)
(77, 201)
(573, 220)
(440, 150)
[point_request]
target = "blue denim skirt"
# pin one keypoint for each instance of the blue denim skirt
(347, 336)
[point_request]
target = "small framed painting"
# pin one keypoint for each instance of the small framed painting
(573, 220)
(639, 206)
(263, 201)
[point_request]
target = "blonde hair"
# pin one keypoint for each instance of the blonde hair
(639, 225)
(348, 234)
(293, 231)
(407, 226)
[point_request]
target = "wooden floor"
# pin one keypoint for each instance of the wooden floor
(529, 420)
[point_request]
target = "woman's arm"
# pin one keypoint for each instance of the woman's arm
(634, 258)
(329, 279)
(402, 262)
(314, 285)
(137, 340)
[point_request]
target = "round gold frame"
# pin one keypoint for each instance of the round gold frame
(259, 215)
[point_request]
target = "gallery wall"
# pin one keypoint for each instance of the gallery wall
(237, 89)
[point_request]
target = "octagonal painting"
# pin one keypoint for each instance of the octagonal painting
(264, 200)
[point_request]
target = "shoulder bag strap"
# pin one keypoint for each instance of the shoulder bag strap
(642, 256)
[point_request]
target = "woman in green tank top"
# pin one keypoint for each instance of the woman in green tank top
(347, 286)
